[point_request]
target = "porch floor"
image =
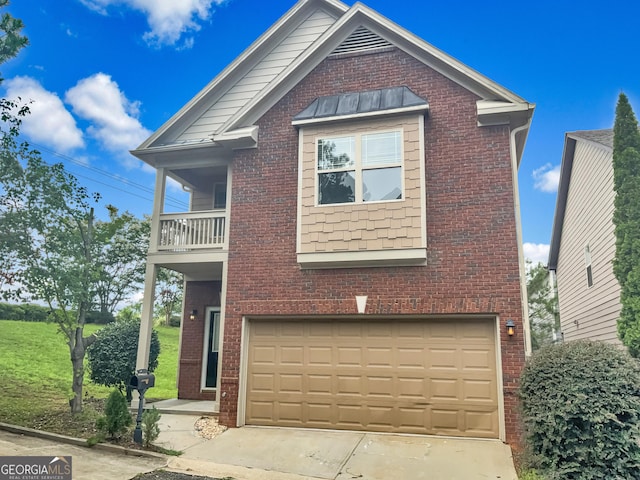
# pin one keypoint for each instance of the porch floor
(185, 407)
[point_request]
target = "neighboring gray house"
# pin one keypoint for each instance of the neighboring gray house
(583, 242)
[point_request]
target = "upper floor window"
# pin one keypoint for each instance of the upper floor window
(360, 168)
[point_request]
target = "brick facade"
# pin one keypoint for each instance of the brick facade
(472, 254)
(198, 296)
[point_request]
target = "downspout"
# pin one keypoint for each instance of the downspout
(523, 276)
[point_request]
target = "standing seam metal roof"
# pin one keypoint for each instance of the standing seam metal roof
(361, 102)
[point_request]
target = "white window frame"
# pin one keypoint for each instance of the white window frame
(358, 168)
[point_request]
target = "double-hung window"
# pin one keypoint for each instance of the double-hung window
(364, 167)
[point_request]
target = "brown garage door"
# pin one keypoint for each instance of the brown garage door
(433, 377)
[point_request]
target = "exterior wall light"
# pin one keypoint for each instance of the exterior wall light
(511, 327)
(193, 315)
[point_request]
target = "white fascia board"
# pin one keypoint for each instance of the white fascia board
(244, 62)
(357, 116)
(358, 15)
(494, 112)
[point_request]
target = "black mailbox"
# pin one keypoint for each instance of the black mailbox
(142, 381)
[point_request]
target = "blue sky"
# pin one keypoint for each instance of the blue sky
(104, 74)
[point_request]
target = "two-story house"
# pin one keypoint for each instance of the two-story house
(583, 241)
(352, 252)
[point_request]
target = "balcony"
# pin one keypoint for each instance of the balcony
(182, 232)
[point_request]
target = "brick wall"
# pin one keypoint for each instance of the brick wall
(472, 263)
(198, 296)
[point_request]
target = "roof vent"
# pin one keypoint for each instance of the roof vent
(361, 40)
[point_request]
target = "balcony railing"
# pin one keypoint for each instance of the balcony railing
(192, 230)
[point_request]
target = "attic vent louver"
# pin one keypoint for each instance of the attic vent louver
(361, 40)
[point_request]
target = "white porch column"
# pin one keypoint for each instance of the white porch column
(146, 323)
(158, 207)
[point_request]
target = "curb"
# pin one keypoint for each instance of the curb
(80, 442)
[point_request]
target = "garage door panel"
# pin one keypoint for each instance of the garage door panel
(374, 376)
(349, 356)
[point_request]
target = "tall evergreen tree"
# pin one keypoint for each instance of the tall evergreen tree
(626, 218)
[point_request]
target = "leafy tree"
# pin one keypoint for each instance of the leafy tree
(123, 243)
(11, 42)
(47, 240)
(626, 218)
(542, 305)
(169, 288)
(112, 357)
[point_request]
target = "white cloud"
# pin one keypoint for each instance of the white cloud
(115, 125)
(536, 252)
(546, 178)
(49, 122)
(169, 20)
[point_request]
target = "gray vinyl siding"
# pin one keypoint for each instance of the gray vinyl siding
(202, 198)
(589, 312)
(258, 78)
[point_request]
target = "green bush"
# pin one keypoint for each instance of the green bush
(581, 405)
(150, 427)
(112, 357)
(116, 417)
(174, 321)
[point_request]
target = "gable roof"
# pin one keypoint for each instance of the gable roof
(309, 32)
(603, 139)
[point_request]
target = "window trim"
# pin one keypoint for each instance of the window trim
(358, 168)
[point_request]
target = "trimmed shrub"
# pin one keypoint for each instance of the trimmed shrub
(116, 417)
(581, 405)
(150, 427)
(112, 357)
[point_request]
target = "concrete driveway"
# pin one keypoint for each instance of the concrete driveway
(293, 454)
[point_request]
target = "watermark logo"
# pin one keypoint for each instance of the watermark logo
(35, 468)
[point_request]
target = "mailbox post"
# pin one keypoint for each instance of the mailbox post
(141, 381)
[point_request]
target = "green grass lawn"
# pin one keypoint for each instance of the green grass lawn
(35, 375)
